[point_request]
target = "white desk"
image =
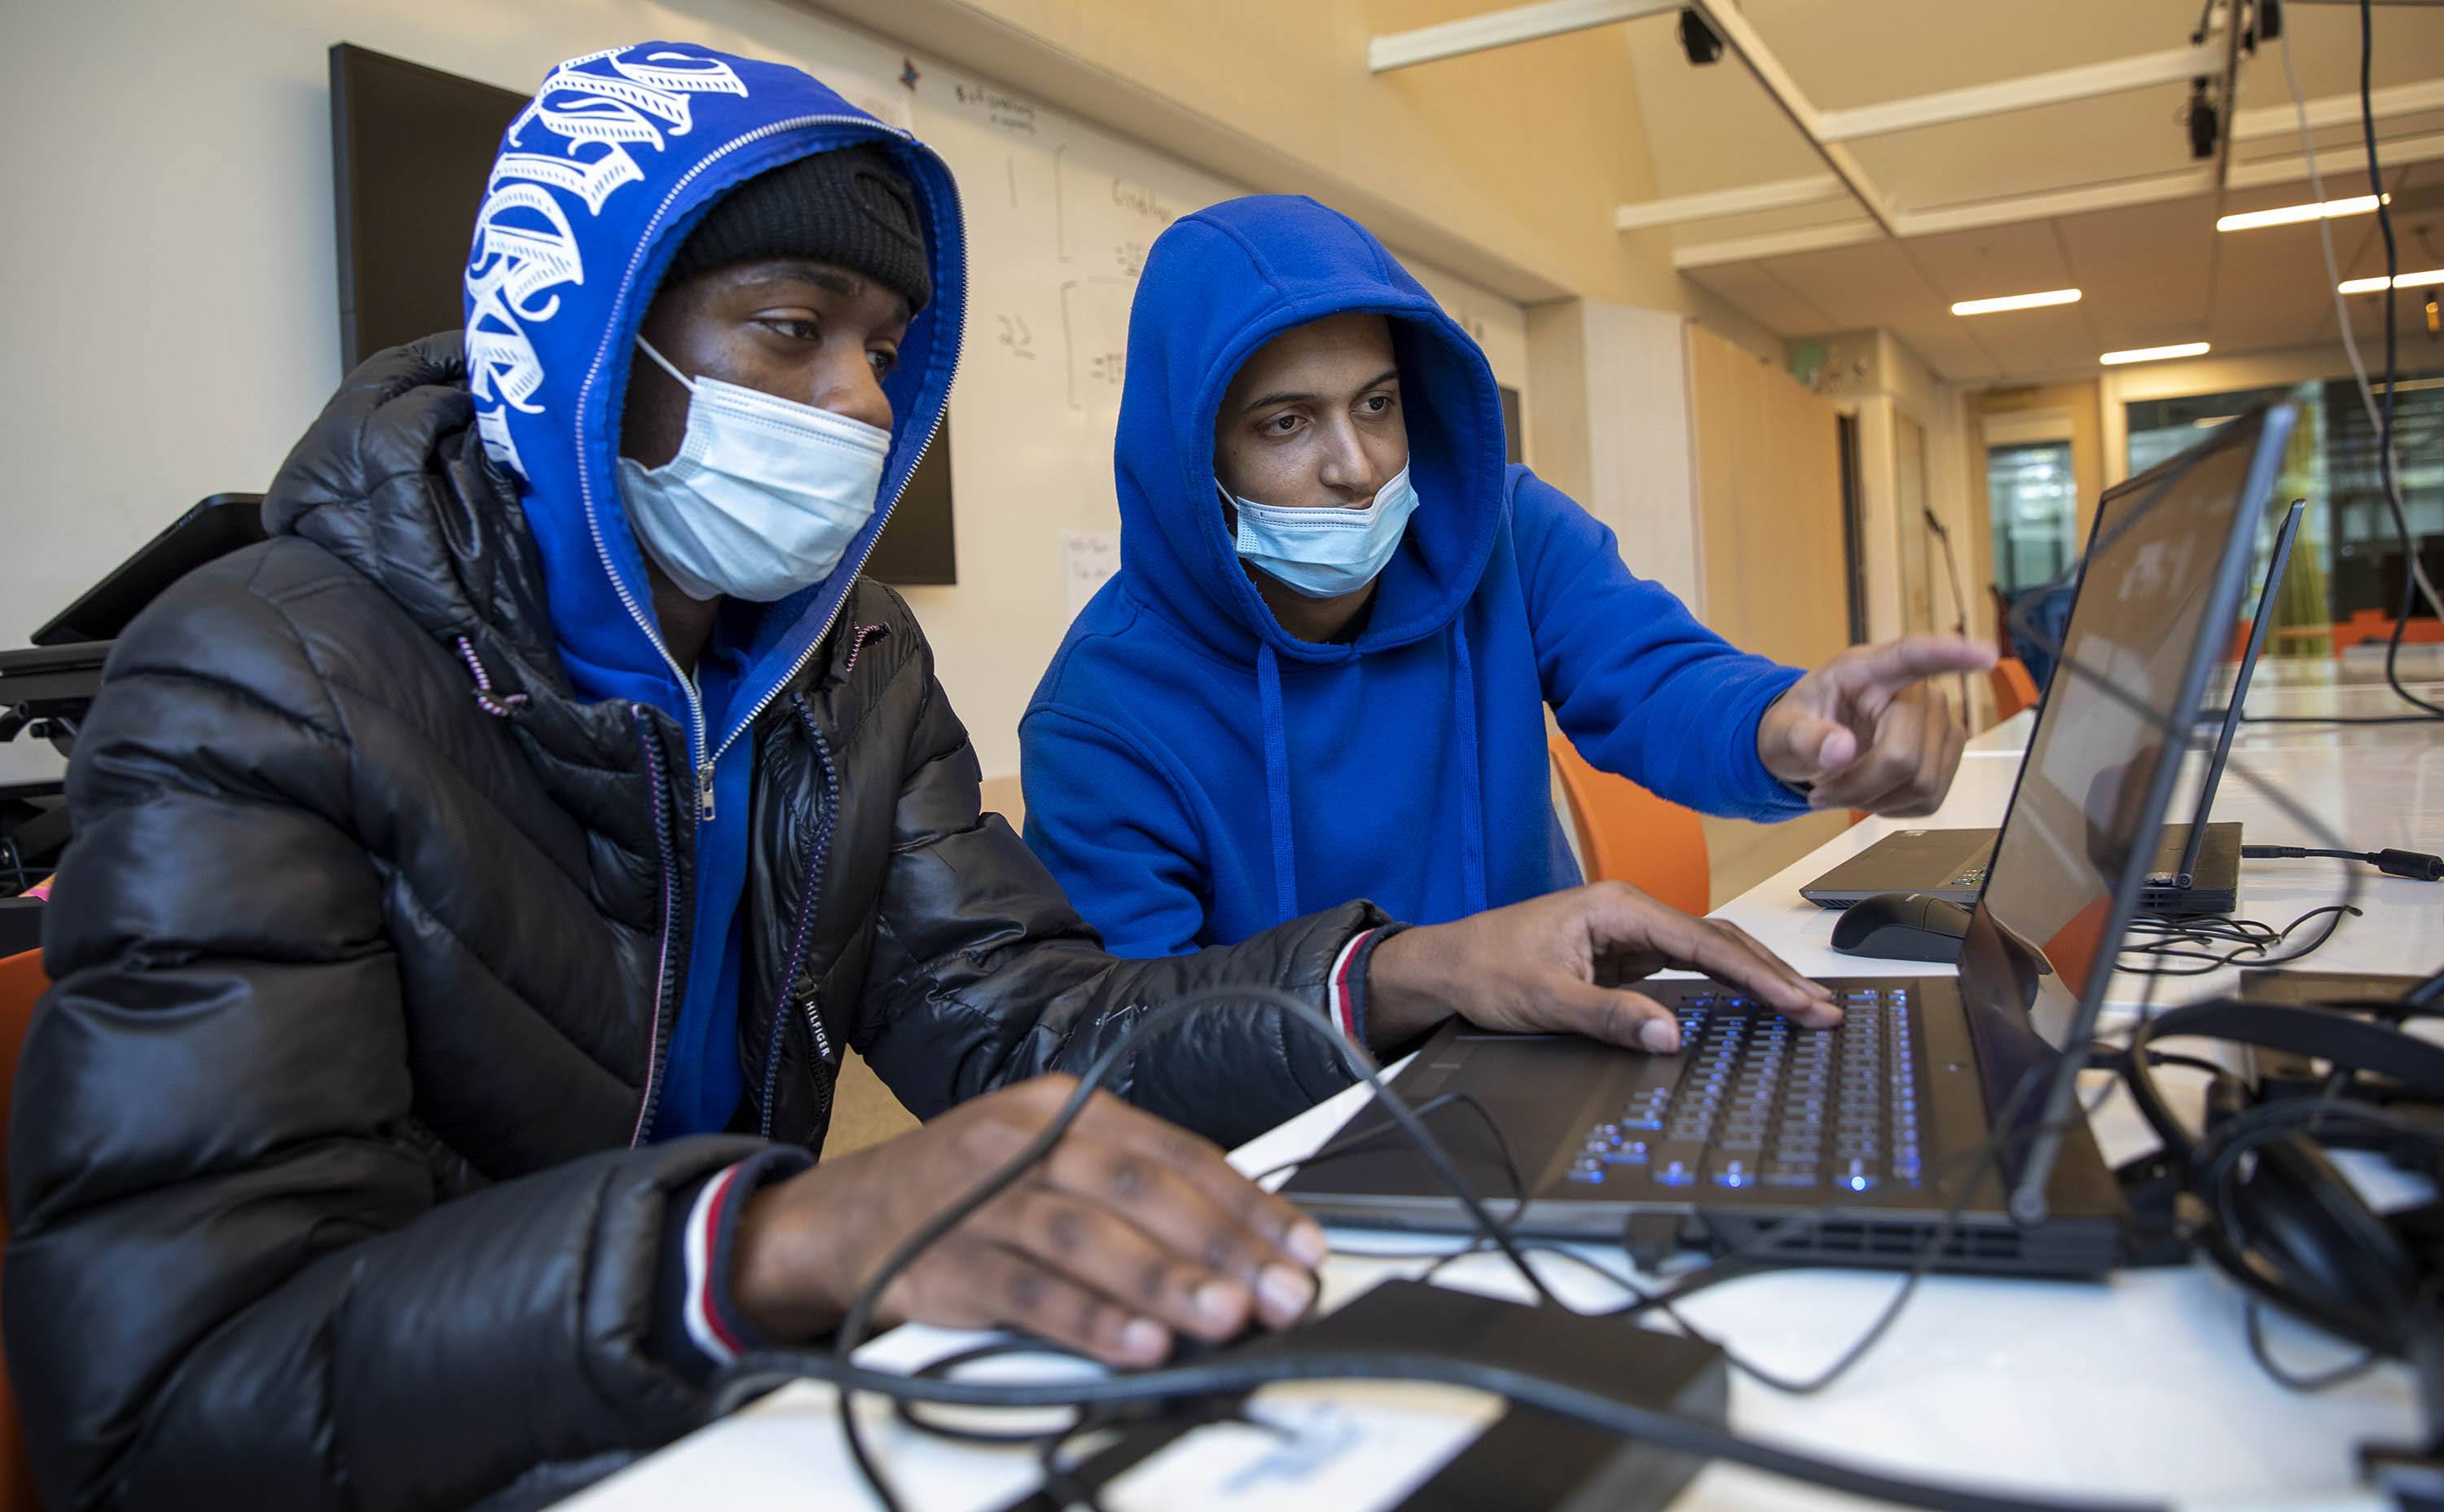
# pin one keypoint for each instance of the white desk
(2139, 1386)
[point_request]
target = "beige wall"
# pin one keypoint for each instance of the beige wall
(1770, 489)
(1768, 492)
(1911, 459)
(1609, 426)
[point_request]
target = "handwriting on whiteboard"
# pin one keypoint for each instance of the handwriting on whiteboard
(1139, 200)
(1016, 338)
(1095, 332)
(1003, 112)
(1088, 560)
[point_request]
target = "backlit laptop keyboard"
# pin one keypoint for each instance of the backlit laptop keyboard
(1762, 1102)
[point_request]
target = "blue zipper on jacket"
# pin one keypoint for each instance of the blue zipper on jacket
(670, 913)
(705, 762)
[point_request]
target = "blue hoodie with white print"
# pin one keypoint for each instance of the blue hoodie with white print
(1196, 774)
(596, 184)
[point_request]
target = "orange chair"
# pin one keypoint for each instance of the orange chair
(2375, 627)
(2015, 689)
(22, 983)
(1629, 835)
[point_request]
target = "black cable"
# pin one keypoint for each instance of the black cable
(2386, 473)
(2416, 866)
(2179, 938)
(858, 1324)
(754, 1374)
(2425, 993)
(758, 1372)
(2290, 1380)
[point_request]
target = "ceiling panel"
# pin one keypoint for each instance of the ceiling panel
(2020, 259)
(2271, 286)
(2134, 134)
(2143, 270)
(1845, 52)
(1766, 298)
(1948, 347)
(2039, 341)
(1875, 284)
(2325, 51)
(1709, 128)
(2150, 273)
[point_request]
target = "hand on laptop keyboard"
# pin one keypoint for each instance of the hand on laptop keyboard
(1562, 961)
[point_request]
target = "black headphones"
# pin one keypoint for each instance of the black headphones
(2269, 1205)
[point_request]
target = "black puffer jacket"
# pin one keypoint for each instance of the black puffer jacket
(330, 1165)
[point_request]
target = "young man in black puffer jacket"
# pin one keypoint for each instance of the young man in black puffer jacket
(475, 887)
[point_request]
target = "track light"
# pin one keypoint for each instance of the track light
(1698, 40)
(2202, 122)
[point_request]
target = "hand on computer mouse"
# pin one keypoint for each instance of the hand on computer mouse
(1562, 961)
(1130, 1233)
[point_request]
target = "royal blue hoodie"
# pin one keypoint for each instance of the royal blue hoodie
(596, 183)
(1194, 774)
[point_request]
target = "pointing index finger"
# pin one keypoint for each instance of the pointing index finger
(1921, 654)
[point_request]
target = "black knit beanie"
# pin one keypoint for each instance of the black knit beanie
(850, 207)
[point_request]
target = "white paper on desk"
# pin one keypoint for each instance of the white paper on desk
(1338, 1448)
(1088, 559)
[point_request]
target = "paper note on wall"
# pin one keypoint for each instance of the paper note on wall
(1088, 559)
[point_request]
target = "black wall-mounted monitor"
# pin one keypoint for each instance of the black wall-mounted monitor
(410, 150)
(411, 147)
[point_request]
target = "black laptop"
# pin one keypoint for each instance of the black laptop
(2196, 869)
(1932, 1083)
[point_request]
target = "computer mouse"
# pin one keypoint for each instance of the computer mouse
(1902, 927)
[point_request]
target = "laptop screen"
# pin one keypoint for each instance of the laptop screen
(2156, 600)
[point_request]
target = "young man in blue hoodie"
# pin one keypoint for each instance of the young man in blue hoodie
(1321, 671)
(474, 886)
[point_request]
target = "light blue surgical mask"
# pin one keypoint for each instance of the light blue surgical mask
(763, 497)
(1325, 553)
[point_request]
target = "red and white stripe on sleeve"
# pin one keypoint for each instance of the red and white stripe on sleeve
(705, 1327)
(1340, 996)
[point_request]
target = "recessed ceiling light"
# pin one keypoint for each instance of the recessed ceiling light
(2153, 354)
(2376, 285)
(2293, 215)
(2016, 302)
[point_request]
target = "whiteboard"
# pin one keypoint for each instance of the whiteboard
(1060, 216)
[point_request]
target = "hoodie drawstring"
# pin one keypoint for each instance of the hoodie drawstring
(1277, 785)
(1471, 805)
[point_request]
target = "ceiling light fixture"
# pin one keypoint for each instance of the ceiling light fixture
(2294, 214)
(2155, 354)
(2016, 302)
(2376, 285)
